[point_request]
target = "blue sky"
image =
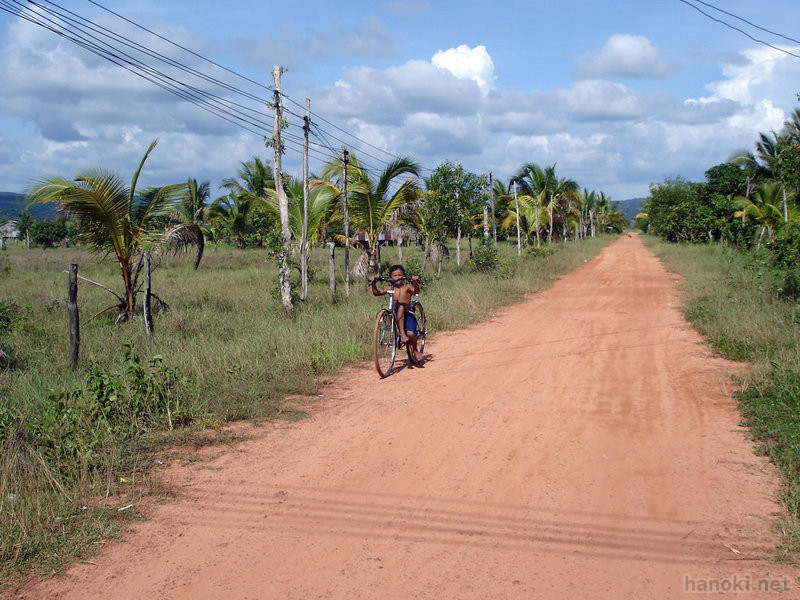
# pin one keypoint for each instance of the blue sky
(618, 94)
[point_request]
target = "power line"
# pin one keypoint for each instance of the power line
(742, 31)
(161, 37)
(101, 41)
(210, 102)
(743, 20)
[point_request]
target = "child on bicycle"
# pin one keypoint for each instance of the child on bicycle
(406, 321)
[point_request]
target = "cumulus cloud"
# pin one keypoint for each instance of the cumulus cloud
(77, 111)
(630, 56)
(468, 63)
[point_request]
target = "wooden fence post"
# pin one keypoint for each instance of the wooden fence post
(332, 272)
(148, 315)
(72, 309)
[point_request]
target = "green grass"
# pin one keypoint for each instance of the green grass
(78, 444)
(733, 300)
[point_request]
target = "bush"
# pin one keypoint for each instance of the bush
(10, 315)
(785, 247)
(485, 258)
(48, 233)
(542, 251)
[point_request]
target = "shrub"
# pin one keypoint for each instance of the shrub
(485, 258)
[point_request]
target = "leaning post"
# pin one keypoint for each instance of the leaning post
(72, 310)
(332, 271)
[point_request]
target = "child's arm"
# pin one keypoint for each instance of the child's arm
(375, 290)
(415, 284)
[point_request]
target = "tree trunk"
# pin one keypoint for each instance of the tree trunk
(426, 256)
(400, 250)
(458, 245)
(760, 236)
(550, 226)
(469, 241)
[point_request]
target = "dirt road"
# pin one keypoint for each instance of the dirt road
(582, 444)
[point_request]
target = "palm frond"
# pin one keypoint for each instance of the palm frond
(182, 235)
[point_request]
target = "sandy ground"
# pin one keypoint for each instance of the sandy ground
(582, 444)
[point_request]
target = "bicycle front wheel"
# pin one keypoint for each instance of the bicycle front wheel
(384, 343)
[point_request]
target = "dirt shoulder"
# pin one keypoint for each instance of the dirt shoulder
(581, 444)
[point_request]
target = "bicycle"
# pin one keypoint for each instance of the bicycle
(386, 338)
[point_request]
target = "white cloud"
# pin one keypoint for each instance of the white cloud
(468, 63)
(631, 56)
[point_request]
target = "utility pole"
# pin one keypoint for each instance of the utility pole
(516, 207)
(485, 210)
(491, 200)
(346, 216)
(304, 236)
(283, 201)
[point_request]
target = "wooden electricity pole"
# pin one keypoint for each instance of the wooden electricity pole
(148, 296)
(516, 207)
(283, 201)
(346, 217)
(491, 201)
(74, 321)
(304, 237)
(485, 210)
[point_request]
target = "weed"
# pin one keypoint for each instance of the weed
(735, 300)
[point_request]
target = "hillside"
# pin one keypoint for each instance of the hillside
(630, 207)
(11, 204)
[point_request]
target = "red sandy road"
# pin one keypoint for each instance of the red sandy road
(582, 444)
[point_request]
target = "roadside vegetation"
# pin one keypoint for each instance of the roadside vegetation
(78, 442)
(739, 234)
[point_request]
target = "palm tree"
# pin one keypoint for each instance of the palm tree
(764, 208)
(232, 213)
(24, 223)
(255, 177)
(194, 201)
(372, 205)
(558, 193)
(115, 219)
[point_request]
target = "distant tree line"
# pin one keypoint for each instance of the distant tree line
(751, 202)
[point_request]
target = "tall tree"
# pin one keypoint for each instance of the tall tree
(455, 195)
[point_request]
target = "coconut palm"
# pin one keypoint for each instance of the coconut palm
(231, 214)
(764, 208)
(559, 193)
(255, 177)
(373, 207)
(194, 201)
(23, 224)
(115, 219)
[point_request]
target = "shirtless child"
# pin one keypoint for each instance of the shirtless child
(406, 321)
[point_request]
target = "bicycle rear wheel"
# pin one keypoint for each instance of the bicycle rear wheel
(384, 342)
(419, 313)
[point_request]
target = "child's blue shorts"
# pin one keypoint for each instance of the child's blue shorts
(410, 319)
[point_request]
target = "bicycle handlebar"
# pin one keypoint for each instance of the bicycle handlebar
(388, 280)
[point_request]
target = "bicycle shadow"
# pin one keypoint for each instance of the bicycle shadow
(406, 363)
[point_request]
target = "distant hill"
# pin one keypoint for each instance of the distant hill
(11, 204)
(630, 208)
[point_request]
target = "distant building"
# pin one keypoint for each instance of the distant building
(8, 230)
